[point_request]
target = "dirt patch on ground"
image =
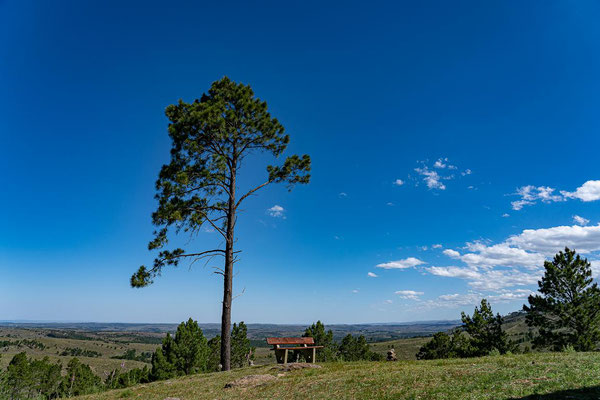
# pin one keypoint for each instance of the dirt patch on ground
(293, 367)
(251, 380)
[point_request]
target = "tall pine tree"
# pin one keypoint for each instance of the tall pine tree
(211, 137)
(567, 310)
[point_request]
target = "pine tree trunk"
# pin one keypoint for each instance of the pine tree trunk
(228, 279)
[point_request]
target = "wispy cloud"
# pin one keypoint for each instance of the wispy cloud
(442, 163)
(431, 178)
(401, 264)
(451, 253)
(434, 176)
(529, 195)
(399, 182)
(276, 211)
(409, 294)
(580, 220)
(372, 275)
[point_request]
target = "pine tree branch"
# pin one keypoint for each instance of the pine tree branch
(250, 192)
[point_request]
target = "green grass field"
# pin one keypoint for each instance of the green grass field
(542, 376)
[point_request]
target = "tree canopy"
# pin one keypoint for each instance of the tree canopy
(567, 310)
(485, 331)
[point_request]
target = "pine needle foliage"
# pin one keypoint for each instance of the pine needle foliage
(567, 310)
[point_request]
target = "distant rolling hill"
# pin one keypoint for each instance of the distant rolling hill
(256, 332)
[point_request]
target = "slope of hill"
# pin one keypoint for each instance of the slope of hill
(541, 376)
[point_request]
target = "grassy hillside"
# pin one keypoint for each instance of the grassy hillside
(57, 340)
(39, 343)
(545, 375)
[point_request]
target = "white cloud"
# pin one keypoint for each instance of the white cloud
(443, 163)
(451, 253)
(505, 215)
(549, 241)
(499, 279)
(502, 254)
(440, 163)
(435, 179)
(390, 204)
(343, 194)
(519, 260)
(372, 275)
(455, 272)
(436, 246)
(456, 299)
(580, 220)
(389, 301)
(276, 211)
(409, 294)
(355, 291)
(431, 178)
(517, 294)
(518, 204)
(530, 194)
(424, 248)
(595, 268)
(398, 182)
(462, 300)
(589, 191)
(401, 264)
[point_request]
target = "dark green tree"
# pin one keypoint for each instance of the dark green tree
(119, 380)
(485, 331)
(241, 351)
(185, 354)
(211, 137)
(161, 368)
(80, 380)
(567, 310)
(19, 377)
(191, 350)
(47, 377)
(29, 378)
(444, 345)
(440, 346)
(214, 354)
(322, 338)
(356, 349)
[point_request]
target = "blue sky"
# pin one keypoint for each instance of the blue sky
(453, 144)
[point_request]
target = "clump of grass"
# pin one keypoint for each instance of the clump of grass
(125, 394)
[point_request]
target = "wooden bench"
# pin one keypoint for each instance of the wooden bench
(282, 346)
